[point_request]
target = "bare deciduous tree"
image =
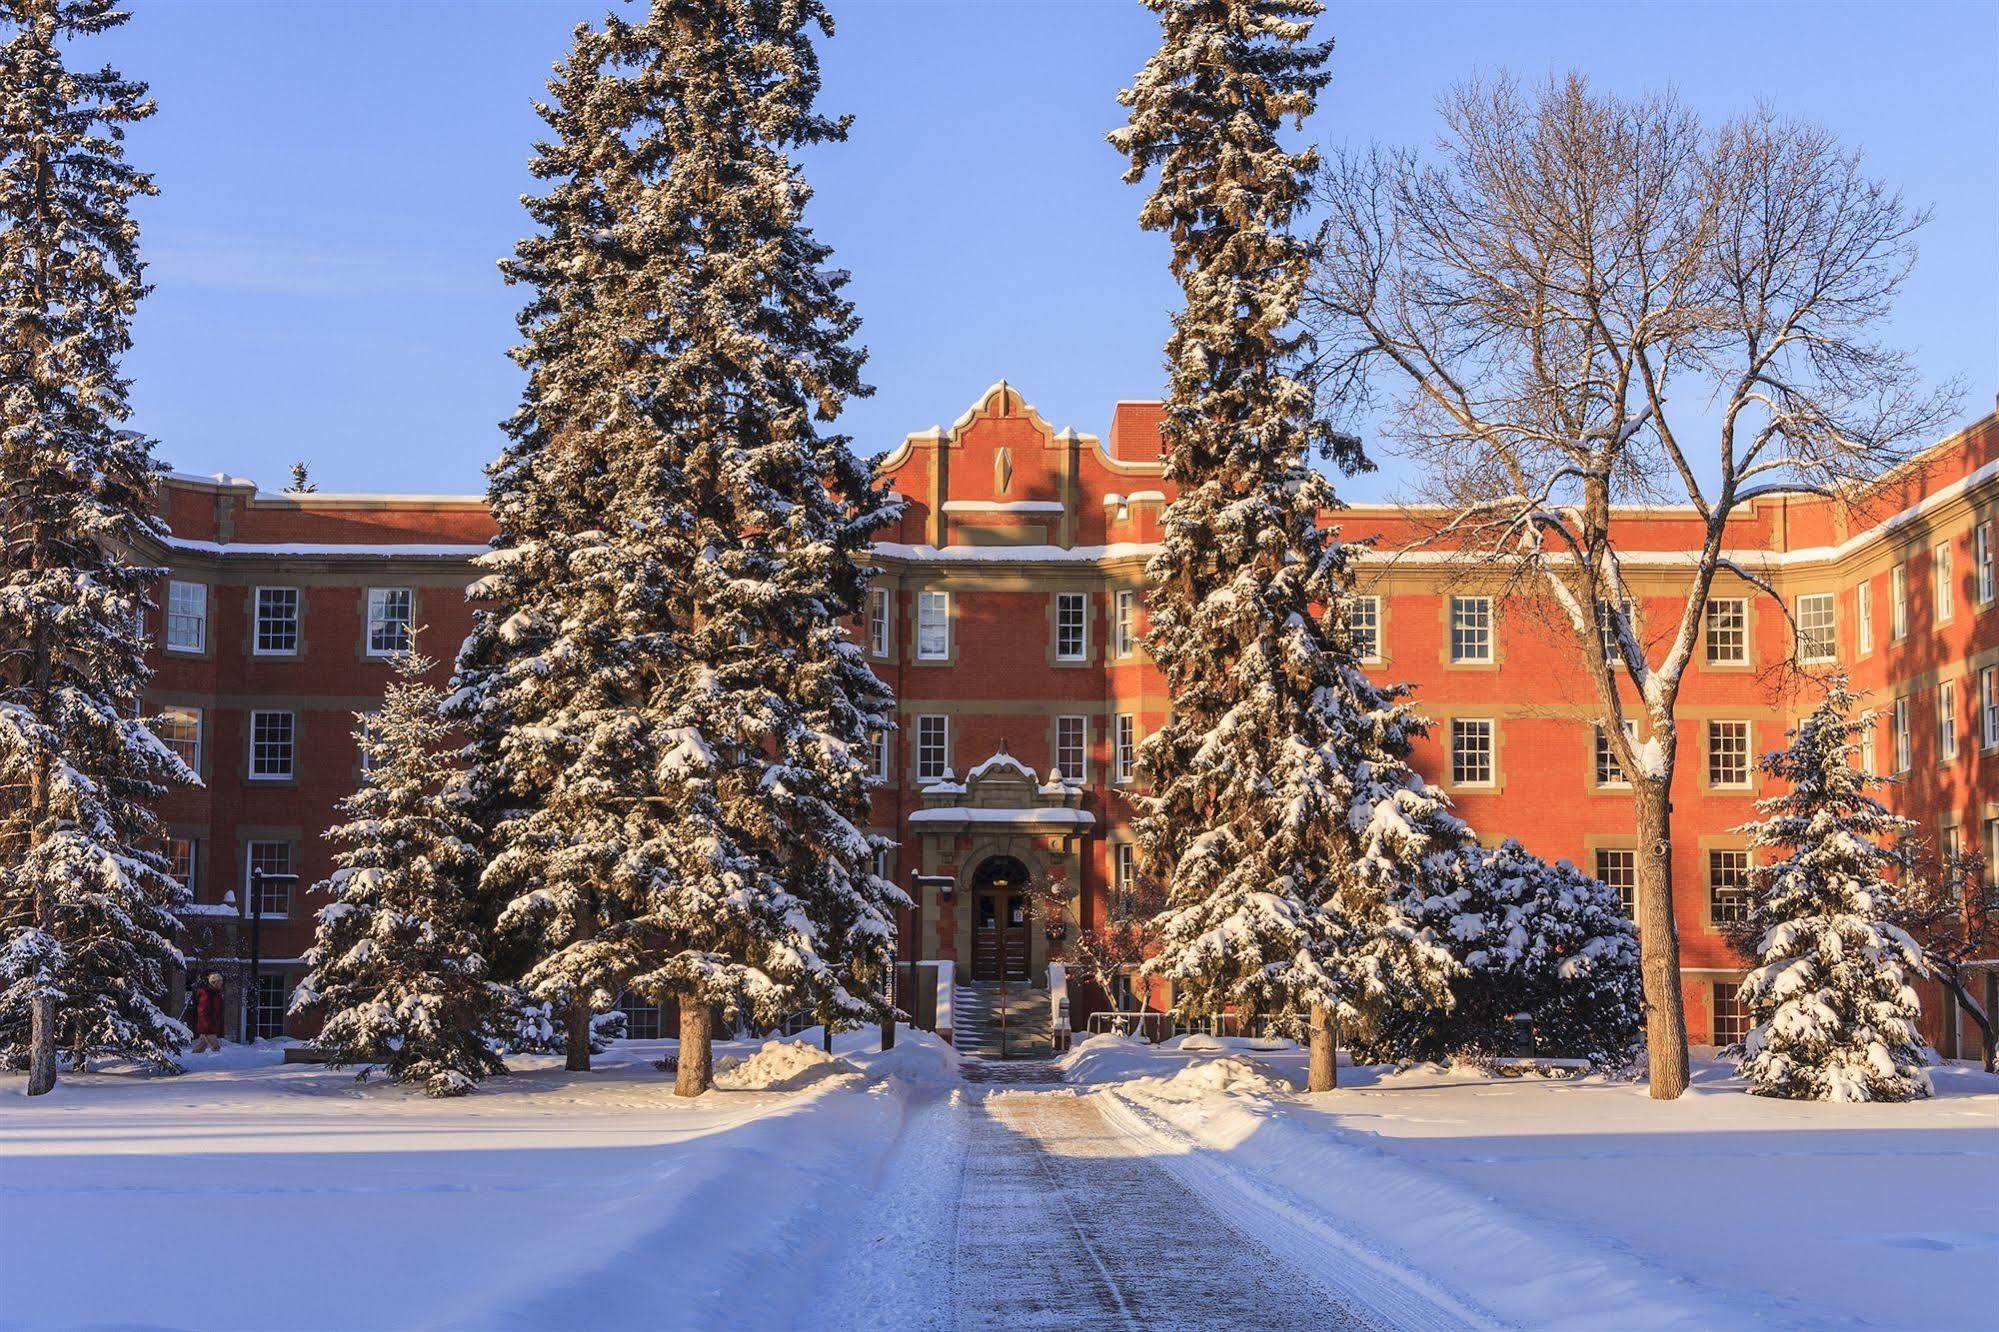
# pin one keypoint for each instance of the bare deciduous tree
(1951, 908)
(1583, 301)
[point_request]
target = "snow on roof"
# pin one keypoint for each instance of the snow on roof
(325, 550)
(1002, 759)
(1017, 818)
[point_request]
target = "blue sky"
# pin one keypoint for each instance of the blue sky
(337, 181)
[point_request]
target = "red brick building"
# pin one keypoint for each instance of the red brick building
(1008, 617)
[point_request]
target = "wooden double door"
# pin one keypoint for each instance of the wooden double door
(1000, 921)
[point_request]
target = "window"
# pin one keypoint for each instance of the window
(933, 626)
(878, 621)
(1124, 868)
(1988, 710)
(1728, 753)
(1606, 632)
(277, 622)
(1816, 644)
(187, 617)
(1125, 760)
(273, 745)
(883, 869)
(1728, 887)
(1124, 632)
(1982, 561)
(1728, 632)
(1619, 870)
(1471, 752)
(1072, 738)
(1867, 750)
(1946, 594)
(1731, 1019)
(1898, 603)
(364, 736)
(1991, 847)
(1471, 629)
(1071, 622)
(933, 748)
(179, 729)
(1863, 618)
(1609, 772)
(643, 1021)
(181, 857)
(1946, 720)
(1366, 625)
(1900, 727)
(274, 860)
(391, 612)
(269, 1012)
(878, 751)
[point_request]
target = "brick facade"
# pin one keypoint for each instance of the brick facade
(1030, 535)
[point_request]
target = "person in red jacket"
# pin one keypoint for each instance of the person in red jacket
(207, 1005)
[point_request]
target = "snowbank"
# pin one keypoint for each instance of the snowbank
(1585, 1204)
(1227, 1076)
(780, 1066)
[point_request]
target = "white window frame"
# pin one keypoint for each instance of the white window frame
(285, 885)
(1737, 864)
(290, 772)
(1072, 626)
(1720, 635)
(1818, 629)
(1898, 604)
(1080, 771)
(1739, 772)
(192, 716)
(187, 605)
(1863, 618)
(1366, 628)
(933, 735)
(1602, 753)
(1625, 883)
(1946, 720)
(1606, 626)
(878, 622)
(193, 876)
(1124, 867)
(933, 625)
(1988, 708)
(379, 620)
(1899, 727)
(1124, 622)
(278, 599)
(1463, 730)
(1472, 625)
(1942, 576)
(1982, 561)
(1124, 757)
(878, 753)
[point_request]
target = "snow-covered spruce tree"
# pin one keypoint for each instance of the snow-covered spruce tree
(1529, 937)
(1833, 1016)
(87, 908)
(397, 967)
(1283, 815)
(670, 721)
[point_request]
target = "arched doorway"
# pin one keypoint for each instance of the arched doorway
(1000, 920)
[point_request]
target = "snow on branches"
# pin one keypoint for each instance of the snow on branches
(87, 907)
(1833, 1011)
(670, 723)
(398, 965)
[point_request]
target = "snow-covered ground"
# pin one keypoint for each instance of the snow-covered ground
(248, 1194)
(1587, 1204)
(245, 1194)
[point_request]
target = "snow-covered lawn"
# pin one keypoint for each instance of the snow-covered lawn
(245, 1194)
(1588, 1204)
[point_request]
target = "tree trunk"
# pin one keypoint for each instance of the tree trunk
(576, 1042)
(1659, 942)
(1954, 986)
(826, 1036)
(697, 1054)
(888, 1032)
(42, 1026)
(1325, 1047)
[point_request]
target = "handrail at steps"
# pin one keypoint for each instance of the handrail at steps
(947, 981)
(1058, 1006)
